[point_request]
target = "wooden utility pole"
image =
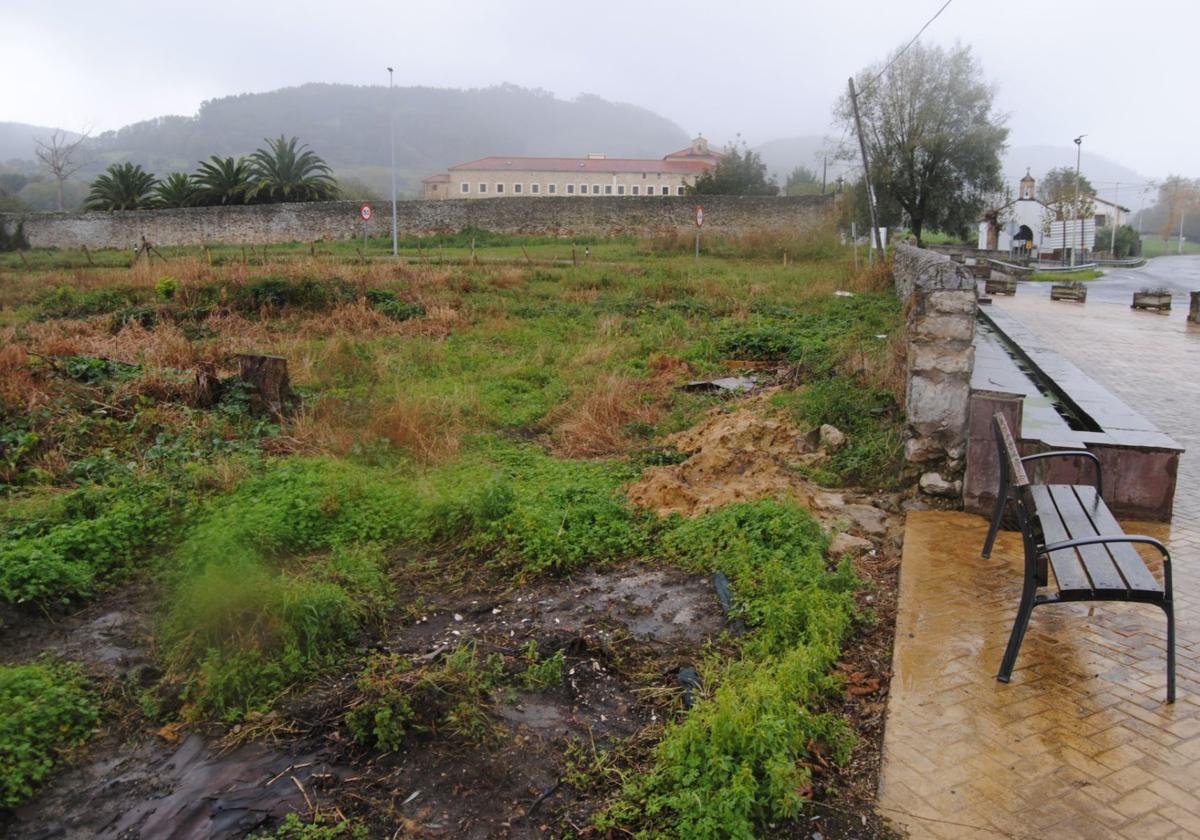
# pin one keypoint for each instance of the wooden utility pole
(862, 147)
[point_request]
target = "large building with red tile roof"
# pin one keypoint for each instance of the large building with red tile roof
(593, 175)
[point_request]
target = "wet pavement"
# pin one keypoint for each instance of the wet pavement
(1180, 275)
(1080, 743)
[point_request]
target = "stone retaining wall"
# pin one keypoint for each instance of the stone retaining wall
(941, 302)
(541, 215)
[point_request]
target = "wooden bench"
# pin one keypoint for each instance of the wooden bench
(1070, 529)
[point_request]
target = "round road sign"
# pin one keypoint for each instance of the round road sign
(699, 216)
(365, 212)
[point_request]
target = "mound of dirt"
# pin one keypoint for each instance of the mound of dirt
(735, 456)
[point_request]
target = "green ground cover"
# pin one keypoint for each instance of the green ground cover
(449, 417)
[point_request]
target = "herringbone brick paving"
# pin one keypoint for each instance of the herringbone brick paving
(1080, 743)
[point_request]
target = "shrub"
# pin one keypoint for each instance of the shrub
(166, 288)
(47, 710)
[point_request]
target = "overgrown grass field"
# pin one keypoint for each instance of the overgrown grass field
(450, 416)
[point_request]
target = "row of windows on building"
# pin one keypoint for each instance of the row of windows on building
(583, 189)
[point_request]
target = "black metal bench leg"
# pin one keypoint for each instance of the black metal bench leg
(997, 515)
(1024, 611)
(1170, 610)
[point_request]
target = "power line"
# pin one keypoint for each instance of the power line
(895, 58)
(904, 49)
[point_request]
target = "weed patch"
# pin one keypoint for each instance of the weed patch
(48, 710)
(737, 760)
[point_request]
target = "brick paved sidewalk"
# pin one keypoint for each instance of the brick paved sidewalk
(1080, 743)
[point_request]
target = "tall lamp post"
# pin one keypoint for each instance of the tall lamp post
(392, 146)
(1078, 209)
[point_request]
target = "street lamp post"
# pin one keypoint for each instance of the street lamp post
(1078, 212)
(392, 146)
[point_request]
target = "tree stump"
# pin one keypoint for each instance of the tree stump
(206, 391)
(267, 377)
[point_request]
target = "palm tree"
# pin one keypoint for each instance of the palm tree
(178, 190)
(123, 186)
(285, 171)
(222, 181)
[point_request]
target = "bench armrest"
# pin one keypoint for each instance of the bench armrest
(1068, 453)
(1126, 538)
(1123, 538)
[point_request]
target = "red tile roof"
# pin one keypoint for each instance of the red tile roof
(434, 179)
(587, 165)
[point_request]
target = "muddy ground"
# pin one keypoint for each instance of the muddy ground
(626, 632)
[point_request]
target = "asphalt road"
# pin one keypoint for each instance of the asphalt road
(1180, 274)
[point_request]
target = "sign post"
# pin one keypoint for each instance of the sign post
(699, 224)
(364, 213)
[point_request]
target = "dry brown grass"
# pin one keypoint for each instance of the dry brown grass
(430, 432)
(594, 424)
(21, 388)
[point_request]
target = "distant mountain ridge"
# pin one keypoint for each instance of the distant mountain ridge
(349, 126)
(18, 141)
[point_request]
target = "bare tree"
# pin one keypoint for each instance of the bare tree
(62, 156)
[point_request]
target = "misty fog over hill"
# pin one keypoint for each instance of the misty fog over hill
(348, 125)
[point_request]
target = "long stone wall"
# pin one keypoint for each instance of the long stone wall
(541, 215)
(941, 302)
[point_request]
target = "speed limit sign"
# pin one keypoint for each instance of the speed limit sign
(699, 217)
(365, 212)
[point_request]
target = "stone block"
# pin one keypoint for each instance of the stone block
(939, 405)
(953, 302)
(940, 327)
(944, 359)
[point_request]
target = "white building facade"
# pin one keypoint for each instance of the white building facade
(593, 175)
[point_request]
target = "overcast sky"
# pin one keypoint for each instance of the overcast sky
(1113, 70)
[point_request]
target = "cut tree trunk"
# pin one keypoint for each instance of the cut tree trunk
(268, 378)
(207, 389)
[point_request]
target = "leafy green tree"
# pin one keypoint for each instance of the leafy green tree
(123, 186)
(932, 135)
(740, 171)
(288, 171)
(1126, 243)
(802, 181)
(222, 181)
(1057, 190)
(178, 190)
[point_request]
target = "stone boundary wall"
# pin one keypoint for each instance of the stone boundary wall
(534, 215)
(941, 303)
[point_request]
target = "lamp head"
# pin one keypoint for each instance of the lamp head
(1079, 139)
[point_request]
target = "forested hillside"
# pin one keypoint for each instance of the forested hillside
(348, 126)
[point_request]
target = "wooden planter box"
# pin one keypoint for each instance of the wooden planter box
(1069, 291)
(1149, 300)
(1000, 284)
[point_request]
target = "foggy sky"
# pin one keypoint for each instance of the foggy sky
(1112, 70)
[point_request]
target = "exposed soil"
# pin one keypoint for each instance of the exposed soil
(732, 457)
(626, 631)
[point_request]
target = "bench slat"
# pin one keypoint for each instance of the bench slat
(1067, 569)
(1138, 577)
(1104, 575)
